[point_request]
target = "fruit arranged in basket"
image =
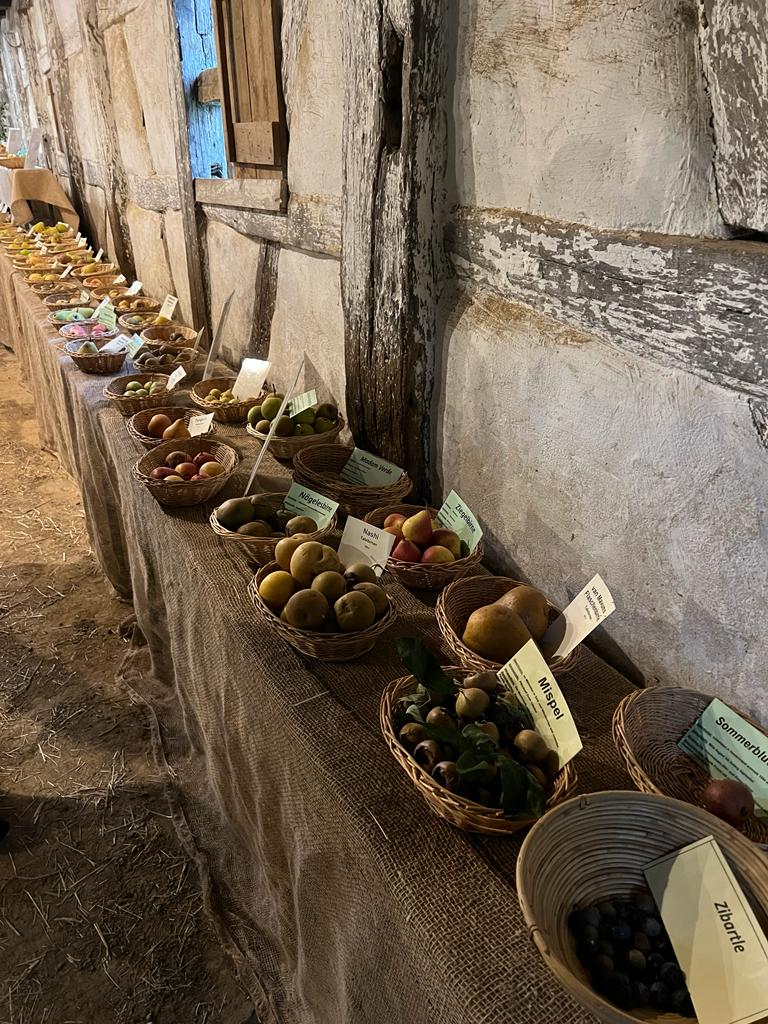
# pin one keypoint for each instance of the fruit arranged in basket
(253, 517)
(69, 316)
(626, 949)
(138, 320)
(163, 427)
(181, 467)
(87, 349)
(313, 591)
(126, 303)
(420, 538)
(76, 256)
(85, 329)
(217, 397)
(97, 269)
(304, 424)
(157, 359)
(38, 278)
(137, 389)
(59, 228)
(729, 800)
(473, 737)
(497, 631)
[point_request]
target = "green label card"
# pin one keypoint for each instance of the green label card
(133, 345)
(303, 502)
(457, 516)
(301, 402)
(108, 316)
(84, 296)
(730, 748)
(363, 468)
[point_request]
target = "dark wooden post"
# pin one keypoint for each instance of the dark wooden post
(394, 155)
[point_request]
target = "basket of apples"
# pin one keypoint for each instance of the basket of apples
(426, 554)
(188, 472)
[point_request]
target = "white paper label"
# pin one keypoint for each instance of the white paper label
(362, 542)
(116, 345)
(301, 402)
(33, 148)
(44, 250)
(78, 236)
(200, 424)
(303, 502)
(250, 379)
(457, 516)
(363, 468)
(168, 307)
(97, 257)
(67, 271)
(120, 279)
(133, 345)
(178, 374)
(586, 611)
(134, 289)
(82, 243)
(719, 944)
(528, 677)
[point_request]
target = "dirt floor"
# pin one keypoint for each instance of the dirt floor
(101, 918)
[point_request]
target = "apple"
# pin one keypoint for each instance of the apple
(418, 529)
(175, 479)
(202, 457)
(186, 469)
(448, 539)
(196, 477)
(211, 469)
(405, 551)
(396, 532)
(175, 458)
(436, 554)
(162, 473)
(395, 519)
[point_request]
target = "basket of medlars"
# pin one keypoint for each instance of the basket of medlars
(647, 727)
(151, 427)
(485, 620)
(259, 522)
(322, 608)
(181, 473)
(587, 905)
(132, 394)
(125, 304)
(426, 553)
(467, 746)
(215, 395)
(112, 293)
(320, 467)
(321, 424)
(88, 357)
(166, 358)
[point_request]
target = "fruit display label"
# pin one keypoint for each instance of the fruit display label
(719, 944)
(362, 542)
(116, 345)
(528, 677)
(67, 271)
(304, 502)
(97, 257)
(363, 468)
(265, 445)
(84, 296)
(301, 402)
(178, 375)
(586, 611)
(728, 747)
(135, 288)
(250, 379)
(457, 516)
(108, 316)
(82, 243)
(120, 279)
(133, 345)
(200, 424)
(168, 307)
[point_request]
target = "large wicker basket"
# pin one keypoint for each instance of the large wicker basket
(647, 725)
(145, 318)
(594, 848)
(139, 422)
(183, 495)
(126, 403)
(128, 304)
(287, 447)
(457, 602)
(323, 646)
(108, 270)
(236, 412)
(160, 333)
(320, 466)
(263, 548)
(458, 810)
(111, 362)
(414, 574)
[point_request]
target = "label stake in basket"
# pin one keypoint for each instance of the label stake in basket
(271, 433)
(586, 611)
(214, 349)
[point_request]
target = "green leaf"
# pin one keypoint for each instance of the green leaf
(423, 665)
(537, 797)
(447, 735)
(472, 768)
(514, 787)
(480, 740)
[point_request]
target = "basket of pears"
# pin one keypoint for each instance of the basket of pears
(259, 522)
(319, 424)
(215, 395)
(468, 745)
(150, 427)
(87, 356)
(95, 273)
(324, 609)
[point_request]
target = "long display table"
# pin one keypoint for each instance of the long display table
(346, 900)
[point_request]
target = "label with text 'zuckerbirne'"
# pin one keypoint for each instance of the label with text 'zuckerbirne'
(250, 379)
(457, 516)
(363, 468)
(528, 678)
(586, 611)
(730, 748)
(304, 502)
(719, 944)
(362, 542)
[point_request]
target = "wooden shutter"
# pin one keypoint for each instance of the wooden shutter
(252, 105)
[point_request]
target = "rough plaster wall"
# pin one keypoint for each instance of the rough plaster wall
(131, 136)
(87, 125)
(233, 265)
(308, 318)
(579, 460)
(146, 229)
(177, 256)
(592, 112)
(69, 25)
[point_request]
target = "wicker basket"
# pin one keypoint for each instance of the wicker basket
(319, 467)
(142, 304)
(99, 292)
(146, 318)
(263, 548)
(88, 326)
(97, 363)
(464, 596)
(594, 848)
(414, 574)
(234, 413)
(323, 646)
(287, 447)
(46, 288)
(183, 495)
(646, 727)
(458, 810)
(64, 323)
(12, 163)
(159, 334)
(107, 270)
(115, 392)
(138, 423)
(59, 299)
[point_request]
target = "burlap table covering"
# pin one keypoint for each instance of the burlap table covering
(9, 324)
(345, 899)
(38, 184)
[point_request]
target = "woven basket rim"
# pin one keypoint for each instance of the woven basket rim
(350, 494)
(180, 444)
(145, 378)
(290, 445)
(267, 544)
(160, 410)
(133, 312)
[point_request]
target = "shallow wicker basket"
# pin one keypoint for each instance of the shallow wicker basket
(59, 299)
(287, 447)
(146, 318)
(100, 292)
(594, 848)
(319, 467)
(159, 334)
(457, 602)
(234, 413)
(127, 405)
(414, 574)
(64, 323)
(97, 363)
(183, 495)
(48, 288)
(323, 646)
(107, 270)
(12, 163)
(142, 304)
(88, 326)
(138, 423)
(646, 727)
(458, 810)
(263, 548)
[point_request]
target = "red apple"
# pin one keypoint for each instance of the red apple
(186, 469)
(201, 458)
(395, 519)
(418, 529)
(437, 554)
(174, 458)
(162, 472)
(396, 532)
(406, 552)
(448, 539)
(196, 477)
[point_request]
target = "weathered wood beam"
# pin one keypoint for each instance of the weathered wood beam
(264, 300)
(394, 152)
(249, 193)
(308, 225)
(695, 304)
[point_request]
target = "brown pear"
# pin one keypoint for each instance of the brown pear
(178, 429)
(532, 607)
(495, 632)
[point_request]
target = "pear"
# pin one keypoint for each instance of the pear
(418, 528)
(178, 429)
(495, 632)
